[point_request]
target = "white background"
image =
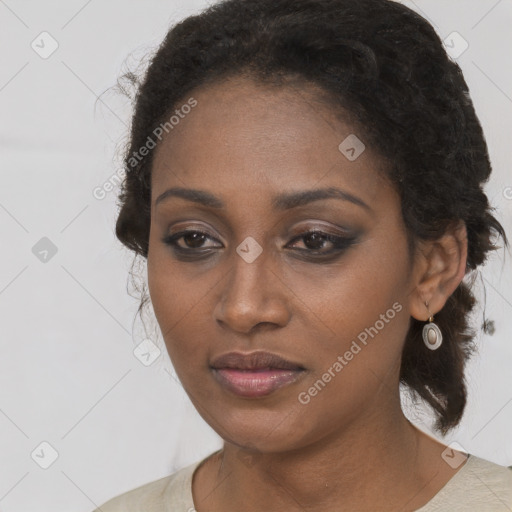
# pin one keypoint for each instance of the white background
(68, 375)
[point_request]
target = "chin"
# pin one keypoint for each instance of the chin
(257, 429)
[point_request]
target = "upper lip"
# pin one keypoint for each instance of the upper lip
(253, 361)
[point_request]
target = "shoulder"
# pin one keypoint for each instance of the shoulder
(156, 496)
(479, 485)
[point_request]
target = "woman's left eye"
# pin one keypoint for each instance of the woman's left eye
(316, 240)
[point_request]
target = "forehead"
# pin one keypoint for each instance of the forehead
(246, 135)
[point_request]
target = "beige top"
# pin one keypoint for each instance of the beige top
(479, 486)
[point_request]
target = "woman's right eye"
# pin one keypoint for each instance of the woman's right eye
(192, 239)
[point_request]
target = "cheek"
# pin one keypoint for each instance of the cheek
(362, 306)
(168, 296)
(179, 299)
(353, 294)
(359, 361)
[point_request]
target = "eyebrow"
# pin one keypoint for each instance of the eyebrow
(280, 202)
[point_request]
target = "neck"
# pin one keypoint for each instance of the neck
(372, 463)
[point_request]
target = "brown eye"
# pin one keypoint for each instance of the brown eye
(193, 239)
(316, 240)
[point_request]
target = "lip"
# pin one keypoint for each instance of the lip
(255, 374)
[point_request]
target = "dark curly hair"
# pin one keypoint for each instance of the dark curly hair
(383, 64)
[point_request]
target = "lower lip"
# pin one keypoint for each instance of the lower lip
(253, 383)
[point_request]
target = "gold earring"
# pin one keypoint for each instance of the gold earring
(432, 336)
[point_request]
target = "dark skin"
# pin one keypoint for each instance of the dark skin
(350, 448)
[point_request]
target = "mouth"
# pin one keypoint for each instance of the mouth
(256, 374)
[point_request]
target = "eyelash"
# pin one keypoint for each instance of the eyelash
(340, 243)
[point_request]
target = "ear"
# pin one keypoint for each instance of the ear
(440, 266)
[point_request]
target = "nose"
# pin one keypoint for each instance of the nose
(252, 295)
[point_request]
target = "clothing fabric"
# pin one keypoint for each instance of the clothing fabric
(479, 486)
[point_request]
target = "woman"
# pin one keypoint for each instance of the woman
(305, 179)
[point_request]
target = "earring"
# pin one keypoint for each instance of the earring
(432, 336)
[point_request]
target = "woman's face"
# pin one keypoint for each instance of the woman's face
(280, 338)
